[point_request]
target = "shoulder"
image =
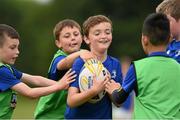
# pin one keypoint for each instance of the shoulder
(59, 58)
(4, 70)
(78, 64)
(79, 61)
(113, 60)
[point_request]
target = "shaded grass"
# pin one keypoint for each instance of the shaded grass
(25, 108)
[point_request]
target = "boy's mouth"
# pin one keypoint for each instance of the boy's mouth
(74, 44)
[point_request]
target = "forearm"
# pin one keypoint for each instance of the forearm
(35, 92)
(67, 62)
(119, 96)
(37, 80)
(76, 99)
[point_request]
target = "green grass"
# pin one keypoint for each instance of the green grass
(25, 108)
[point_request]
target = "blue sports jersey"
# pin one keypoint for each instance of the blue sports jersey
(173, 50)
(101, 109)
(54, 73)
(7, 79)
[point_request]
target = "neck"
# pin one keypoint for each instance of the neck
(100, 56)
(157, 49)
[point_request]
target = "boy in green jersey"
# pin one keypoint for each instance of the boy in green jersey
(155, 79)
(68, 39)
(12, 80)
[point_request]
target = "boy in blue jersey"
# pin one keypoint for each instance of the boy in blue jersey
(98, 35)
(154, 79)
(172, 9)
(68, 39)
(12, 80)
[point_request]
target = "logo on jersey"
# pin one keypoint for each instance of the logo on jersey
(177, 53)
(113, 74)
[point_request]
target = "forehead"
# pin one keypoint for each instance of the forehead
(10, 41)
(101, 26)
(69, 29)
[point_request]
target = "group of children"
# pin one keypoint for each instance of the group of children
(154, 79)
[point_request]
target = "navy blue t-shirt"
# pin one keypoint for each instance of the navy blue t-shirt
(101, 109)
(9, 79)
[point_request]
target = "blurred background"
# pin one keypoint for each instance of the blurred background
(35, 20)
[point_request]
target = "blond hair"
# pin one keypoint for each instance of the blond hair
(170, 7)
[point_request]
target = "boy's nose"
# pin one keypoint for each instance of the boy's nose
(17, 51)
(73, 37)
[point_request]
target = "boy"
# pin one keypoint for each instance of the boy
(154, 79)
(11, 80)
(172, 9)
(98, 35)
(68, 39)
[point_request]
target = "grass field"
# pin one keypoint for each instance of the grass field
(25, 108)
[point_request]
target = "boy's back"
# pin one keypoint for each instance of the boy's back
(161, 74)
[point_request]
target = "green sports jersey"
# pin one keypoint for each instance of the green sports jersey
(8, 100)
(52, 106)
(158, 81)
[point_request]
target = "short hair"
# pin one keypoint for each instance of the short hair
(156, 27)
(64, 23)
(171, 7)
(6, 30)
(92, 21)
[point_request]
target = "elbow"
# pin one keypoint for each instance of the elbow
(70, 103)
(31, 95)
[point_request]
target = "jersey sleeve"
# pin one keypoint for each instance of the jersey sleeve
(77, 65)
(119, 73)
(17, 73)
(8, 79)
(129, 82)
(55, 62)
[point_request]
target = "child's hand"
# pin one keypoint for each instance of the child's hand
(85, 55)
(68, 78)
(111, 86)
(99, 85)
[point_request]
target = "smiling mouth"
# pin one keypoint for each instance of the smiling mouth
(104, 41)
(75, 44)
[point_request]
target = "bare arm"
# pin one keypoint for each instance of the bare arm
(41, 91)
(76, 98)
(35, 92)
(67, 62)
(36, 80)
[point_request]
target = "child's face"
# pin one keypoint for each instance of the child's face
(70, 39)
(174, 27)
(9, 51)
(100, 37)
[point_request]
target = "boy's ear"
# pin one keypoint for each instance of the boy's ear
(144, 40)
(58, 43)
(86, 40)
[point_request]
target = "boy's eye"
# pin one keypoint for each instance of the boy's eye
(108, 31)
(12, 47)
(76, 33)
(96, 33)
(66, 35)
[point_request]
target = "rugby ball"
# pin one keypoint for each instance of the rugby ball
(90, 68)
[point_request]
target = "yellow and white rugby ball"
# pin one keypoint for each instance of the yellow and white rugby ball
(90, 68)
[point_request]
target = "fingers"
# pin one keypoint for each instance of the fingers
(70, 72)
(70, 81)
